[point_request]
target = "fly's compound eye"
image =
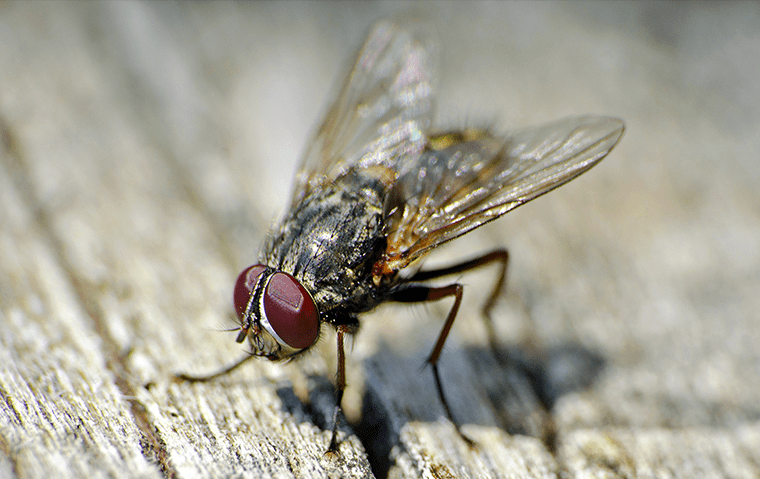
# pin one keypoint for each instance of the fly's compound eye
(290, 311)
(278, 303)
(244, 287)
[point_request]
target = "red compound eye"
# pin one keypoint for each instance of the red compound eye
(244, 286)
(288, 307)
(291, 311)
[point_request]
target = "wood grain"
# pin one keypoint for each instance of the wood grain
(147, 147)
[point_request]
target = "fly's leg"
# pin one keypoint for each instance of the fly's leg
(340, 386)
(344, 325)
(419, 294)
(342, 329)
(500, 256)
(200, 379)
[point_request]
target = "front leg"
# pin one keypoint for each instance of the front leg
(340, 386)
(343, 326)
(182, 377)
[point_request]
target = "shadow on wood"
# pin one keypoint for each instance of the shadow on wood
(512, 389)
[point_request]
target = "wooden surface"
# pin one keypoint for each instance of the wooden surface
(146, 148)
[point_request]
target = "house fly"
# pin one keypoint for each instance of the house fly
(378, 189)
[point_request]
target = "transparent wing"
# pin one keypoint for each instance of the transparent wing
(466, 179)
(382, 111)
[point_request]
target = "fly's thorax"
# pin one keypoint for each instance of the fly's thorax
(331, 239)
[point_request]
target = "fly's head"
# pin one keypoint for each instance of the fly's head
(276, 313)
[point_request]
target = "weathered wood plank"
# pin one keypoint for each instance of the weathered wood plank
(147, 147)
(118, 215)
(62, 408)
(634, 452)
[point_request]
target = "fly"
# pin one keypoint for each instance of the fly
(377, 189)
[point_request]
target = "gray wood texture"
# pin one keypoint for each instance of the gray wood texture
(147, 147)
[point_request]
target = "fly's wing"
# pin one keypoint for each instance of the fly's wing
(466, 179)
(382, 112)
